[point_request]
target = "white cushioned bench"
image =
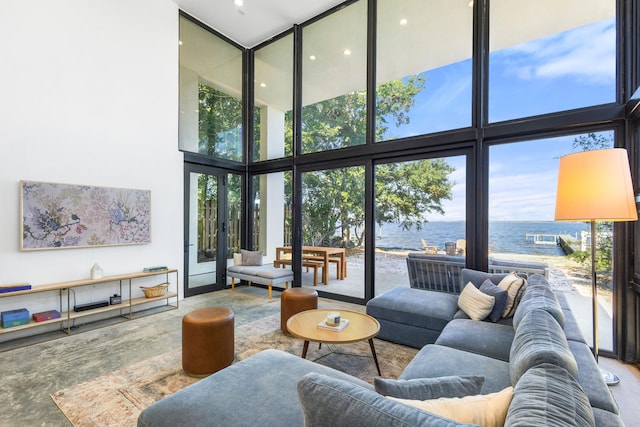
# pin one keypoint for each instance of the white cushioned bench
(263, 274)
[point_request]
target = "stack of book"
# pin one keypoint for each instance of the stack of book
(155, 268)
(341, 326)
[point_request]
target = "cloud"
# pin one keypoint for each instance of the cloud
(586, 53)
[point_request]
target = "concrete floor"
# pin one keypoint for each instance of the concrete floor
(30, 374)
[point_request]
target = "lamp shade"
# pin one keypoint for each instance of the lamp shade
(595, 185)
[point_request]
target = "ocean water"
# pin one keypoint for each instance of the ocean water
(508, 236)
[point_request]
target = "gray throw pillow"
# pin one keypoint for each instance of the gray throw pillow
(489, 288)
(251, 257)
(328, 401)
(430, 388)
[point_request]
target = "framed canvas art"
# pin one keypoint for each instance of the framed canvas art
(58, 216)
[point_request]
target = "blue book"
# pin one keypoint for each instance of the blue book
(14, 288)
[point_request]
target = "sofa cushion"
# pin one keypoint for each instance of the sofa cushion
(488, 410)
(251, 257)
(539, 339)
(591, 379)
(328, 401)
(478, 277)
(215, 400)
(485, 338)
(548, 395)
(606, 419)
(425, 309)
(429, 388)
(515, 286)
(538, 295)
(500, 296)
(475, 303)
(437, 361)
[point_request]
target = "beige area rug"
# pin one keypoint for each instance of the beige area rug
(116, 399)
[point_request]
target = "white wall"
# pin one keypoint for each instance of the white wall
(89, 95)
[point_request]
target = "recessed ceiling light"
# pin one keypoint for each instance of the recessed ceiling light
(470, 3)
(312, 57)
(347, 52)
(238, 2)
(179, 42)
(263, 84)
(403, 21)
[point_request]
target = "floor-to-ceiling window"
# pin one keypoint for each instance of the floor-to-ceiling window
(273, 101)
(333, 227)
(210, 120)
(542, 62)
(522, 204)
(419, 212)
(334, 79)
(423, 85)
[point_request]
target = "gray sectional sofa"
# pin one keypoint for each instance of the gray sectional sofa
(540, 352)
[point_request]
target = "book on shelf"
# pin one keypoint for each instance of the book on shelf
(337, 328)
(14, 287)
(155, 268)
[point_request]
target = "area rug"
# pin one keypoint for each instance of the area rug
(116, 399)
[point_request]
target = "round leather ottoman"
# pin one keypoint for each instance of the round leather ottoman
(207, 341)
(295, 300)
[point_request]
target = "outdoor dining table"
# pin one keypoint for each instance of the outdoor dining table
(320, 252)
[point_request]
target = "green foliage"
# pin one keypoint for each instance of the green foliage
(405, 192)
(219, 123)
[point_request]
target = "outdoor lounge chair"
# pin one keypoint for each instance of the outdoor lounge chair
(429, 249)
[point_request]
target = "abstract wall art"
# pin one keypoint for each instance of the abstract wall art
(57, 216)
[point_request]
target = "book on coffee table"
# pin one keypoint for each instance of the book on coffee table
(338, 328)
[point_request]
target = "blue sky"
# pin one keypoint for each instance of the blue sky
(569, 70)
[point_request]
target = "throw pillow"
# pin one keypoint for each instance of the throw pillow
(251, 257)
(475, 303)
(237, 259)
(430, 388)
(515, 286)
(501, 299)
(487, 410)
(329, 401)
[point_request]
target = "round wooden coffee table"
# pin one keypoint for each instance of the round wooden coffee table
(361, 327)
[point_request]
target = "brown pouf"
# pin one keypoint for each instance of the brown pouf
(207, 341)
(295, 300)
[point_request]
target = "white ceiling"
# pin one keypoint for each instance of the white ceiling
(257, 20)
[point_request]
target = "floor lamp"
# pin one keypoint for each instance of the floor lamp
(595, 186)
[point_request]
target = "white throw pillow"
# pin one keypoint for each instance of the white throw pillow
(487, 410)
(237, 259)
(475, 303)
(514, 285)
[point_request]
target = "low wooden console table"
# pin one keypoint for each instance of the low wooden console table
(125, 307)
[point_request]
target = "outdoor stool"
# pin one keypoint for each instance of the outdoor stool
(207, 341)
(295, 300)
